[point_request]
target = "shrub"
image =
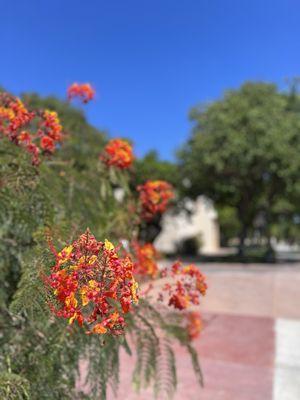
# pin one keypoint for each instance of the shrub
(70, 296)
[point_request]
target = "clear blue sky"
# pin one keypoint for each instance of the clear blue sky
(150, 61)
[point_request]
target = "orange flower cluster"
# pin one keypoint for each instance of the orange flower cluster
(15, 124)
(117, 153)
(189, 284)
(83, 91)
(13, 115)
(52, 125)
(92, 285)
(194, 324)
(154, 198)
(145, 256)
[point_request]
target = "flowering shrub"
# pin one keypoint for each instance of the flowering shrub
(145, 256)
(93, 285)
(154, 198)
(89, 285)
(16, 121)
(117, 153)
(84, 91)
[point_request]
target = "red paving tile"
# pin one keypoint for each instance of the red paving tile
(236, 355)
(234, 381)
(247, 340)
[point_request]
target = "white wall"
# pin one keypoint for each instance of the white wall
(201, 222)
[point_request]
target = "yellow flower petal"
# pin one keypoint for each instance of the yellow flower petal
(100, 329)
(71, 301)
(134, 288)
(108, 245)
(84, 299)
(64, 255)
(92, 260)
(72, 319)
(92, 284)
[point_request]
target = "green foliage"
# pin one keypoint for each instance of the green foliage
(229, 223)
(13, 387)
(244, 153)
(156, 361)
(24, 207)
(151, 167)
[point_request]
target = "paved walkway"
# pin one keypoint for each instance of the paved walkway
(250, 346)
(253, 289)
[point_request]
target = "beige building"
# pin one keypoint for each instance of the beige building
(199, 222)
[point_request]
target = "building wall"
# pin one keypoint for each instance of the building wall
(199, 221)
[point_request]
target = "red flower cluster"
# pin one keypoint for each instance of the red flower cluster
(145, 256)
(117, 153)
(189, 284)
(52, 125)
(92, 285)
(15, 124)
(83, 91)
(13, 115)
(154, 198)
(194, 324)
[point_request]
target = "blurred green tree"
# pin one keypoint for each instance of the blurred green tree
(152, 167)
(244, 154)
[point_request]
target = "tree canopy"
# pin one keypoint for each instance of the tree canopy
(244, 153)
(151, 167)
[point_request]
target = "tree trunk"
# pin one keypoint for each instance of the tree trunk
(150, 230)
(270, 254)
(243, 236)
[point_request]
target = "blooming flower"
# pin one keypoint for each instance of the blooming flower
(24, 137)
(47, 144)
(34, 151)
(92, 285)
(16, 123)
(145, 257)
(154, 198)
(117, 153)
(83, 91)
(194, 324)
(13, 116)
(51, 124)
(185, 287)
(6, 114)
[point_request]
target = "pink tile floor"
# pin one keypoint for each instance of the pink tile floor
(236, 356)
